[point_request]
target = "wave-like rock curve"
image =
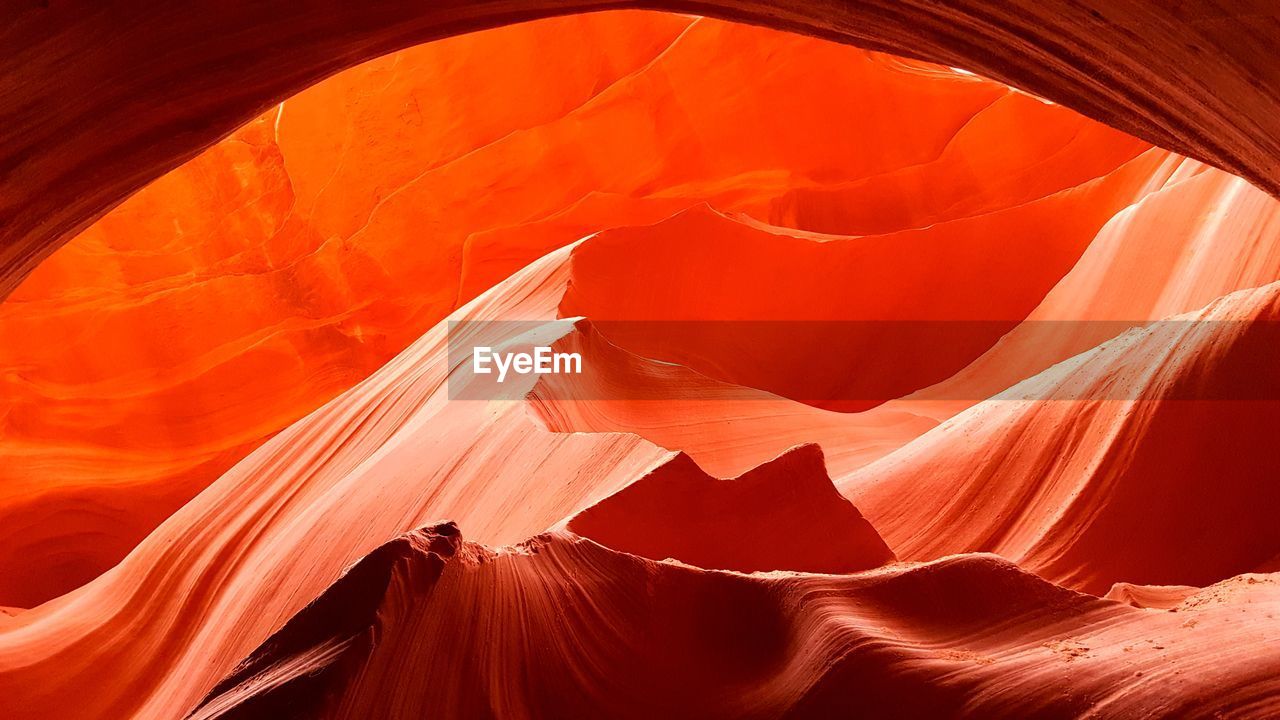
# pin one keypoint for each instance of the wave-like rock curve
(561, 627)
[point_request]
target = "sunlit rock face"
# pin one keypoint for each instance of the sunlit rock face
(298, 255)
(243, 468)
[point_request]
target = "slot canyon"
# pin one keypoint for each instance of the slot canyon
(930, 362)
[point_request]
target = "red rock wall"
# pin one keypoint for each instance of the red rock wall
(244, 475)
(145, 89)
(294, 258)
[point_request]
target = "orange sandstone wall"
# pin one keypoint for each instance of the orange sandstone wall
(294, 258)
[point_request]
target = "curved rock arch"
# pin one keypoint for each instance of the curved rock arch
(99, 98)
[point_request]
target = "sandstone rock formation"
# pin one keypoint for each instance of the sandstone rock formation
(906, 392)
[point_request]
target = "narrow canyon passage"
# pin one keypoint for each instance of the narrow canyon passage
(904, 391)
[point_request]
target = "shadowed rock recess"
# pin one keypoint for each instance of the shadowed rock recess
(928, 360)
